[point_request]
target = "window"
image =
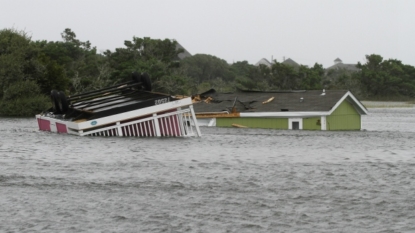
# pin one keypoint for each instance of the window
(295, 125)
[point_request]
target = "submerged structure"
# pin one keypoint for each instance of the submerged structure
(291, 110)
(126, 109)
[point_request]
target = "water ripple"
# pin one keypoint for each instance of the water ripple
(230, 180)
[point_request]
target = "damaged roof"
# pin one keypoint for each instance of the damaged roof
(278, 101)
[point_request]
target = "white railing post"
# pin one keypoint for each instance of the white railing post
(156, 125)
(180, 116)
(195, 120)
(119, 129)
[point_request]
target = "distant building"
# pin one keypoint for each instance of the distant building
(263, 61)
(287, 61)
(290, 62)
(184, 54)
(339, 65)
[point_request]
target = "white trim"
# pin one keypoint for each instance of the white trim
(361, 126)
(208, 122)
(348, 94)
(323, 123)
(53, 127)
(299, 120)
(283, 114)
(358, 103)
(207, 113)
(212, 122)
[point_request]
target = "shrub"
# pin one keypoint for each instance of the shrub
(23, 99)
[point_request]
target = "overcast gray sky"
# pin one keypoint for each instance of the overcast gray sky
(307, 31)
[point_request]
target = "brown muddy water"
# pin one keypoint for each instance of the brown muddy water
(229, 180)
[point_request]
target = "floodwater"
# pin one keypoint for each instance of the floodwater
(229, 180)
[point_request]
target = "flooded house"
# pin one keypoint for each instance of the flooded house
(129, 109)
(290, 110)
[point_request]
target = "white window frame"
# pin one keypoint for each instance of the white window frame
(299, 120)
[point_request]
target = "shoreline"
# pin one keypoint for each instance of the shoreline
(388, 104)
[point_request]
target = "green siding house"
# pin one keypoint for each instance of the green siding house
(289, 110)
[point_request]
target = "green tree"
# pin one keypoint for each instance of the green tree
(158, 58)
(310, 78)
(284, 77)
(386, 77)
(204, 68)
(75, 64)
(54, 76)
(17, 58)
(19, 69)
(242, 68)
(407, 87)
(23, 98)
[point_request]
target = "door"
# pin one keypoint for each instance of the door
(295, 125)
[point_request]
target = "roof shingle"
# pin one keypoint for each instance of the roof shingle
(252, 101)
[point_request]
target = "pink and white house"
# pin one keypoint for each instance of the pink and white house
(128, 109)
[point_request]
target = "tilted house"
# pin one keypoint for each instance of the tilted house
(307, 110)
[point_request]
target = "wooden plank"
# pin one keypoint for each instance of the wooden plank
(239, 126)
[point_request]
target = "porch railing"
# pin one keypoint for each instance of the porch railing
(180, 123)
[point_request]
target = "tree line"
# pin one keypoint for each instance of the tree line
(29, 70)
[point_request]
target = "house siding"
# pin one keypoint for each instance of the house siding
(254, 122)
(312, 123)
(345, 117)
